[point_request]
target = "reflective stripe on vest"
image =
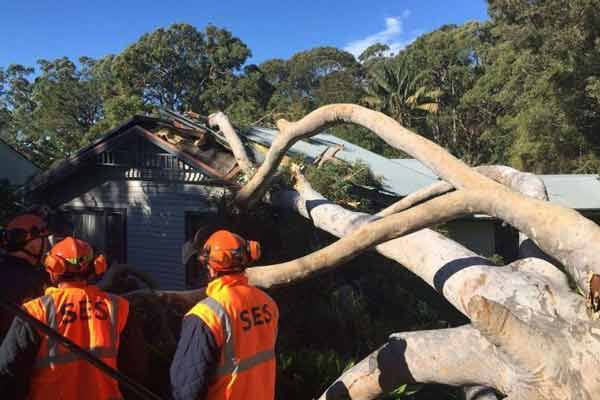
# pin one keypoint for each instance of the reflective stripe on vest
(54, 357)
(230, 364)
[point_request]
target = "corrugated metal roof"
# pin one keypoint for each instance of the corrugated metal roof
(398, 177)
(403, 176)
(581, 192)
(415, 165)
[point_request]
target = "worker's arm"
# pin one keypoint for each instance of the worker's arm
(195, 360)
(132, 359)
(18, 353)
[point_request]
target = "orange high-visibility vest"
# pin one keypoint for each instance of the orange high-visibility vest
(243, 321)
(92, 319)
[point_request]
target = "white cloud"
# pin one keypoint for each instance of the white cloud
(393, 35)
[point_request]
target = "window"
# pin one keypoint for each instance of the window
(105, 229)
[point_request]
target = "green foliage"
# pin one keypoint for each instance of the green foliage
(497, 259)
(540, 82)
(51, 116)
(175, 67)
(310, 370)
(337, 181)
(374, 53)
(450, 62)
(404, 391)
(312, 78)
(394, 88)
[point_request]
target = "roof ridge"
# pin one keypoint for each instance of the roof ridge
(19, 153)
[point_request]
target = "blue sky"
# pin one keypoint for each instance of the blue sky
(271, 29)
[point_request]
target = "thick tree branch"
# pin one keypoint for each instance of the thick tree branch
(455, 271)
(537, 219)
(435, 211)
(527, 184)
(523, 182)
(421, 195)
(501, 328)
(237, 147)
(425, 357)
(446, 166)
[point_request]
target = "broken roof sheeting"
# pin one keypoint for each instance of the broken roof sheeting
(406, 175)
(219, 170)
(397, 177)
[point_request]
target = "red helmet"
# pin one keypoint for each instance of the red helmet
(73, 256)
(225, 251)
(21, 230)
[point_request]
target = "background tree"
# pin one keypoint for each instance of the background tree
(373, 54)
(450, 62)
(539, 82)
(395, 89)
(177, 67)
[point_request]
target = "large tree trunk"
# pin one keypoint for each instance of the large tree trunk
(532, 334)
(535, 218)
(531, 289)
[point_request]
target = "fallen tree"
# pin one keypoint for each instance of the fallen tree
(531, 335)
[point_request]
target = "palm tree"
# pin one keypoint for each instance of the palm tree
(393, 88)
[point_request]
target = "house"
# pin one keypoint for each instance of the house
(15, 168)
(139, 191)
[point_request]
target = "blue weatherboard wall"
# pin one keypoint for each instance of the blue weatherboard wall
(155, 221)
(155, 212)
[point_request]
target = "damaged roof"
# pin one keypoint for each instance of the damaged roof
(194, 145)
(399, 178)
(207, 150)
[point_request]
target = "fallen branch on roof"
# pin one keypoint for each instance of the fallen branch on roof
(221, 120)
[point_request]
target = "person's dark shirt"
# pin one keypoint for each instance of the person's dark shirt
(195, 360)
(20, 282)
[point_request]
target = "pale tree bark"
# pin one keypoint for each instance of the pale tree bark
(530, 337)
(537, 219)
(423, 357)
(420, 196)
(548, 373)
(221, 120)
(525, 183)
(532, 289)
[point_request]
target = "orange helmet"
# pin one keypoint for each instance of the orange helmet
(73, 256)
(225, 251)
